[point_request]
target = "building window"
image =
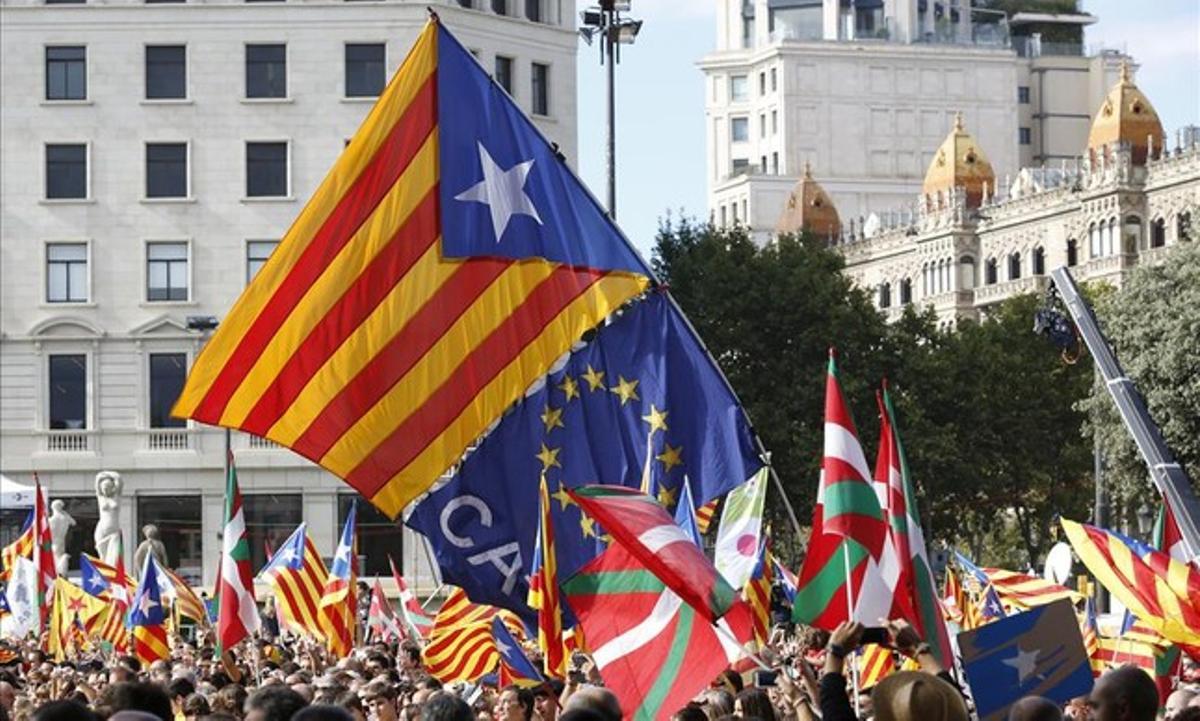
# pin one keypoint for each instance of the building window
(179, 528)
(166, 72)
(1131, 235)
(724, 217)
(166, 271)
(66, 72)
(466, 3)
(1024, 136)
(500, 7)
(1014, 266)
(1110, 245)
(533, 10)
(905, 291)
(64, 2)
(1158, 233)
(775, 163)
(1094, 232)
(762, 125)
(68, 392)
(762, 83)
(166, 170)
(66, 171)
(762, 163)
(739, 129)
(1039, 261)
(1072, 253)
(1183, 227)
(885, 295)
(364, 69)
(266, 71)
(257, 252)
(989, 271)
(774, 80)
(378, 536)
(167, 373)
(740, 165)
(737, 88)
(270, 519)
(774, 122)
(1023, 94)
(266, 170)
(161, 2)
(66, 273)
(504, 73)
(539, 85)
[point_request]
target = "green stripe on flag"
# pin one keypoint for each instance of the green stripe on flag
(653, 701)
(613, 582)
(816, 596)
(928, 607)
(855, 497)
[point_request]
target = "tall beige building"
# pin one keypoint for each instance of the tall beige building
(863, 92)
(972, 238)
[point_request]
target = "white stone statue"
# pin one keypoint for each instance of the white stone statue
(60, 524)
(108, 527)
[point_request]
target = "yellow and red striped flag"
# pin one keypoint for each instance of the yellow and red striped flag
(187, 603)
(1022, 591)
(447, 260)
(757, 593)
(875, 663)
(461, 646)
(544, 593)
(1162, 592)
(22, 547)
(70, 608)
(109, 625)
(297, 575)
(148, 618)
(706, 513)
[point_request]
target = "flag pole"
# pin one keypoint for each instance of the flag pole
(728, 636)
(850, 617)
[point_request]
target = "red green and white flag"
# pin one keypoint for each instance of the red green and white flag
(418, 622)
(641, 524)
(43, 552)
(849, 531)
(237, 611)
(1167, 537)
(918, 588)
(739, 537)
(653, 650)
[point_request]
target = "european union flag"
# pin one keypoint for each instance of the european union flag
(640, 397)
(92, 581)
(504, 191)
(1039, 653)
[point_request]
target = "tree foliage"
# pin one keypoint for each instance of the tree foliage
(987, 413)
(1153, 326)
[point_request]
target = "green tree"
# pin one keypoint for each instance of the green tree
(1153, 325)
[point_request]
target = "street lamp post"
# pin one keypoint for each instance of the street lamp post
(605, 21)
(207, 324)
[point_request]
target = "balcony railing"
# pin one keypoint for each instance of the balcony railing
(260, 443)
(68, 441)
(168, 439)
(986, 294)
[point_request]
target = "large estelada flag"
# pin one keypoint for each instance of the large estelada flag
(446, 261)
(1036, 653)
(297, 576)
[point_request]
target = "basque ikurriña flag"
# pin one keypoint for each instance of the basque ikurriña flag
(443, 265)
(642, 376)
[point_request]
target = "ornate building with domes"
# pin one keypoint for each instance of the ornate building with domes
(972, 240)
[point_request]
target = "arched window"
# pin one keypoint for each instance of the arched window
(1110, 239)
(925, 279)
(989, 271)
(1072, 253)
(905, 291)
(966, 272)
(1158, 233)
(1131, 234)
(1093, 241)
(1014, 266)
(885, 295)
(1183, 227)
(1039, 261)
(937, 277)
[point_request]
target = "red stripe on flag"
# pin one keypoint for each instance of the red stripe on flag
(386, 269)
(403, 142)
(478, 369)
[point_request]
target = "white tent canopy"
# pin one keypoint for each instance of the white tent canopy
(15, 495)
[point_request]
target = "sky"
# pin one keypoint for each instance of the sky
(660, 100)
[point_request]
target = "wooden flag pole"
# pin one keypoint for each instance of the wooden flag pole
(850, 617)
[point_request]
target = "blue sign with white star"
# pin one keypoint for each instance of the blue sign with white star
(639, 405)
(1035, 653)
(504, 190)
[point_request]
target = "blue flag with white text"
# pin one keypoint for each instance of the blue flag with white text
(1036, 653)
(641, 396)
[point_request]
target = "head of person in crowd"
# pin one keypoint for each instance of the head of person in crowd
(692, 712)
(596, 699)
(195, 707)
(754, 703)
(716, 702)
(147, 697)
(230, 699)
(730, 681)
(322, 712)
(273, 703)
(917, 696)
(379, 696)
(1124, 694)
(515, 704)
(64, 711)
(446, 707)
(353, 704)
(1176, 702)
(1035, 708)
(1191, 713)
(545, 699)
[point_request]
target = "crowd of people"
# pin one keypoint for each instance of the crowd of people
(294, 679)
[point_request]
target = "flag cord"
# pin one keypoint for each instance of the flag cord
(850, 617)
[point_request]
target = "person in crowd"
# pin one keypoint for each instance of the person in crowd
(1124, 694)
(273, 703)
(1177, 702)
(1035, 708)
